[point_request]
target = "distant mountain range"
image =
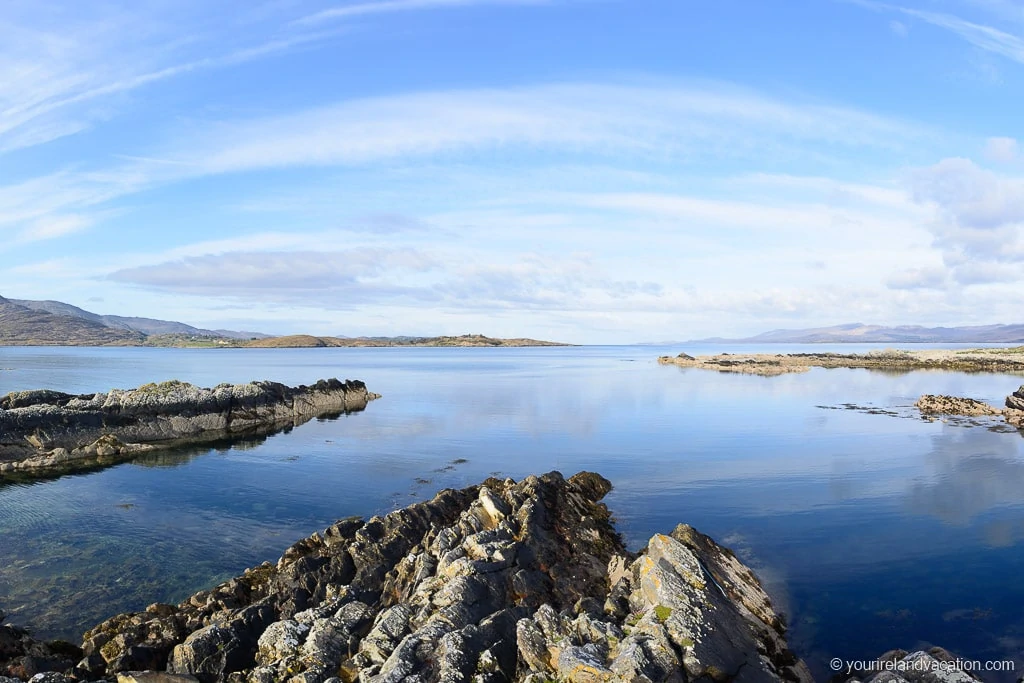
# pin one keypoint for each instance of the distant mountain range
(902, 334)
(147, 326)
(23, 326)
(54, 323)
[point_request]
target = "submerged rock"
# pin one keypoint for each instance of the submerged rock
(47, 430)
(504, 581)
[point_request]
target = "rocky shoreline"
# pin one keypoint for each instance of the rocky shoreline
(46, 431)
(505, 581)
(890, 360)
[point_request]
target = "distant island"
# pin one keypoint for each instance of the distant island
(308, 341)
(853, 333)
(54, 323)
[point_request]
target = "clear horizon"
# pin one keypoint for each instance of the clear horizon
(586, 171)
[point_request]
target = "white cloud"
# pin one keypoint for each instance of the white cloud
(898, 28)
(271, 273)
(54, 226)
(452, 280)
(936, 278)
(969, 196)
(1001, 150)
(978, 222)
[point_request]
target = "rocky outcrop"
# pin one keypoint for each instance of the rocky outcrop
(932, 404)
(46, 430)
(1013, 413)
(504, 581)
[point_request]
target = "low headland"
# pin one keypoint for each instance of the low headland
(45, 431)
(1010, 360)
(501, 582)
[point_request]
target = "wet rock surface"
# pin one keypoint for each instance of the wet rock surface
(504, 581)
(47, 430)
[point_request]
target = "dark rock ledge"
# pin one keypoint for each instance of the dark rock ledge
(506, 581)
(43, 431)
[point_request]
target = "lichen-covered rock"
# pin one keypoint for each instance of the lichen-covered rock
(507, 581)
(154, 677)
(47, 430)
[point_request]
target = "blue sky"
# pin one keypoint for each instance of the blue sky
(583, 170)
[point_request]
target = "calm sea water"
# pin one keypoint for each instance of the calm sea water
(872, 531)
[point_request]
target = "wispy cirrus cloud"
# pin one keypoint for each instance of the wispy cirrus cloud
(56, 77)
(982, 36)
(604, 119)
(389, 6)
(626, 123)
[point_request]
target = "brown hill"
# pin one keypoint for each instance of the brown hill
(21, 326)
(294, 341)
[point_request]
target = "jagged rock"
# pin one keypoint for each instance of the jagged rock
(45, 430)
(505, 581)
(226, 646)
(1015, 401)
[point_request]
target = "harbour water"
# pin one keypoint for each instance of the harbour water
(871, 527)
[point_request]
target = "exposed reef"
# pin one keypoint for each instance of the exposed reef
(44, 431)
(890, 360)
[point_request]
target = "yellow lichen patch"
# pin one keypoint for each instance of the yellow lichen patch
(584, 673)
